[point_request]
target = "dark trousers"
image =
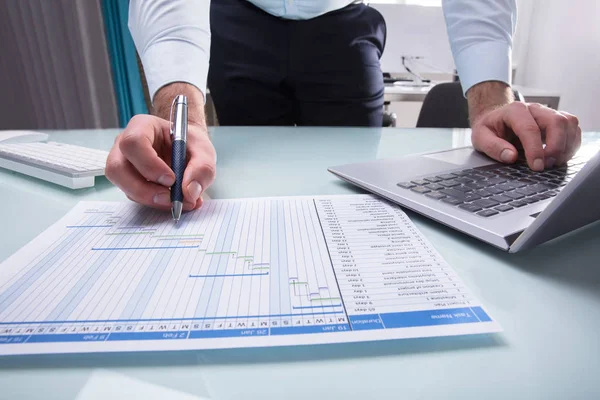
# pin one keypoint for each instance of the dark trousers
(324, 71)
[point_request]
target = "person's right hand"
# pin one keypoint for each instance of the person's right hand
(139, 163)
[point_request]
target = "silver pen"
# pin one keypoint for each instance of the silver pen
(179, 127)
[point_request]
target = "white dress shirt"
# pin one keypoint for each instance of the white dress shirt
(172, 37)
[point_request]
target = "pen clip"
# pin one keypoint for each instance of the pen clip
(171, 117)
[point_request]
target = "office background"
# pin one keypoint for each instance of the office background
(77, 69)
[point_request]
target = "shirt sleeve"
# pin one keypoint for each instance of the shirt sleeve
(172, 38)
(480, 33)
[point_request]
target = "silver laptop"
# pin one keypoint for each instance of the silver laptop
(508, 206)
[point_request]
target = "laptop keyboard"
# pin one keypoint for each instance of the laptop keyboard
(496, 189)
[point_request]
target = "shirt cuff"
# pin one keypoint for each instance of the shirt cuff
(485, 61)
(171, 61)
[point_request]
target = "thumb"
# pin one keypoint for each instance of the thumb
(488, 142)
(198, 176)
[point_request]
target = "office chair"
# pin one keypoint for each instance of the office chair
(446, 107)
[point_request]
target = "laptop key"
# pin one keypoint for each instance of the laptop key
(486, 203)
(518, 203)
(434, 186)
(475, 185)
(435, 195)
(551, 193)
(487, 213)
(433, 179)
(464, 197)
(494, 190)
(495, 181)
(420, 182)
(527, 191)
(506, 186)
(420, 189)
(475, 177)
(446, 176)
(450, 183)
(462, 188)
(503, 208)
(463, 179)
(501, 198)
(406, 185)
(530, 200)
(513, 195)
(483, 193)
(452, 200)
(470, 207)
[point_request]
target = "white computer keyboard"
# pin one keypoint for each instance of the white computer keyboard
(64, 164)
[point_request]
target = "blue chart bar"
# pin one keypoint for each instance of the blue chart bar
(167, 335)
(69, 337)
(217, 333)
(419, 318)
(296, 330)
(227, 275)
(144, 248)
(88, 226)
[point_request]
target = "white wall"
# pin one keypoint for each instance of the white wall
(415, 31)
(562, 54)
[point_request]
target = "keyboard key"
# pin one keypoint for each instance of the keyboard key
(475, 177)
(463, 179)
(486, 203)
(495, 181)
(518, 203)
(433, 179)
(420, 182)
(446, 176)
(406, 185)
(487, 213)
(420, 189)
(463, 197)
(494, 190)
(526, 181)
(462, 188)
(527, 191)
(503, 208)
(513, 195)
(483, 193)
(506, 187)
(501, 198)
(436, 195)
(470, 207)
(530, 200)
(463, 172)
(551, 193)
(475, 185)
(434, 186)
(452, 200)
(450, 183)
(542, 196)
(541, 187)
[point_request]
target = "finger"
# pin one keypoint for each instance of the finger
(555, 126)
(573, 136)
(198, 176)
(136, 187)
(488, 142)
(141, 142)
(200, 170)
(517, 117)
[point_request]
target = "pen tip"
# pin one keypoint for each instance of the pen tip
(176, 209)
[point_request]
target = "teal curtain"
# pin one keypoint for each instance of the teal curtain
(126, 74)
